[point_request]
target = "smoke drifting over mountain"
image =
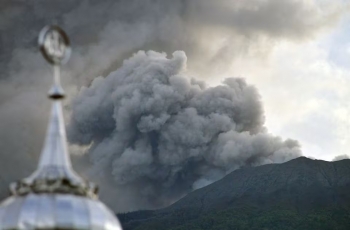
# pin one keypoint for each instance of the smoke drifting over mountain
(214, 34)
(151, 126)
(340, 157)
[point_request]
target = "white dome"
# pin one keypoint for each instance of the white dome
(55, 211)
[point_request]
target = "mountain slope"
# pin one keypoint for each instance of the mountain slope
(298, 188)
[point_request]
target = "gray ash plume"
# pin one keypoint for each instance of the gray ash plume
(152, 127)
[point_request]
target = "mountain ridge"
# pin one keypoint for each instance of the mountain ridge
(301, 162)
(302, 185)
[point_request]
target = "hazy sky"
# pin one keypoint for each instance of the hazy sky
(305, 89)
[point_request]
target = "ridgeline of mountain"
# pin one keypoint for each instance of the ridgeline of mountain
(299, 194)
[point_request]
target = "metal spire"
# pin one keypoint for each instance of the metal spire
(54, 161)
(54, 172)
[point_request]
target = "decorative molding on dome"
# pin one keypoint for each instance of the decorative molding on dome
(63, 186)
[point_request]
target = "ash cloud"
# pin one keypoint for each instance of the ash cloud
(152, 127)
(103, 33)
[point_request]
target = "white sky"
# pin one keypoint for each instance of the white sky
(305, 88)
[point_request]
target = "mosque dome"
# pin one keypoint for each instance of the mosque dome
(56, 211)
(54, 196)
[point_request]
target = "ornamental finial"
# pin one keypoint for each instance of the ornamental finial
(55, 47)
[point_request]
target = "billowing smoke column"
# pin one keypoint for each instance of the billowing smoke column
(151, 126)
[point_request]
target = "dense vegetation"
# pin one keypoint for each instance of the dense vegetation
(246, 218)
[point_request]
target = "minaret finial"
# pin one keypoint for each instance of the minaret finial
(55, 46)
(54, 173)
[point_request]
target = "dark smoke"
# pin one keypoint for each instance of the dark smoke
(151, 126)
